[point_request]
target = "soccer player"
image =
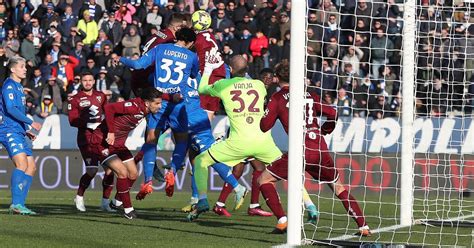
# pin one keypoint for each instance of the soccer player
(243, 101)
(108, 142)
(205, 41)
(13, 133)
(145, 78)
(86, 109)
(319, 163)
(172, 66)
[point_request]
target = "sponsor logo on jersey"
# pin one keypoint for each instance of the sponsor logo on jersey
(128, 104)
(85, 103)
(161, 35)
(249, 120)
(11, 96)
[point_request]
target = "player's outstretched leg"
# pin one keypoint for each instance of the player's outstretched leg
(352, 208)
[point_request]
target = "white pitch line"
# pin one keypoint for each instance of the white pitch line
(394, 227)
(383, 229)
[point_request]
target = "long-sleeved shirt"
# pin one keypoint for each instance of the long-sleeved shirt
(13, 108)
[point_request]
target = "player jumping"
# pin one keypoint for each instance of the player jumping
(13, 133)
(319, 163)
(243, 101)
(85, 112)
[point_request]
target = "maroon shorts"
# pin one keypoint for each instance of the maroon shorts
(319, 164)
(104, 152)
(90, 159)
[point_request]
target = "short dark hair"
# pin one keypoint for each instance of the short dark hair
(86, 73)
(177, 19)
(150, 94)
(186, 34)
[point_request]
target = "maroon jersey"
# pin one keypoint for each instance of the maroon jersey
(120, 119)
(205, 41)
(277, 108)
(85, 113)
(140, 77)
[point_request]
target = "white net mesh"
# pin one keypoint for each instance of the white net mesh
(354, 62)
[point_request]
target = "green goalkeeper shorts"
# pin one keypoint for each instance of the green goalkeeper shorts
(232, 152)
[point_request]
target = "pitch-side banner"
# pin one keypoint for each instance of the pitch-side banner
(61, 170)
(352, 135)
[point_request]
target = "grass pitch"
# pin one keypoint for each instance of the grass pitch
(162, 224)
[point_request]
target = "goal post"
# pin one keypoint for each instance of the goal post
(408, 113)
(296, 121)
(401, 75)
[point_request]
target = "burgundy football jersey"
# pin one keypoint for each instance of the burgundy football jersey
(278, 108)
(85, 113)
(205, 41)
(121, 118)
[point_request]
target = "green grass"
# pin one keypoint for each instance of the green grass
(161, 224)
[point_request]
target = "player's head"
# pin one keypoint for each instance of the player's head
(152, 98)
(238, 66)
(266, 75)
(186, 36)
(187, 22)
(17, 66)
(176, 22)
(87, 81)
(282, 72)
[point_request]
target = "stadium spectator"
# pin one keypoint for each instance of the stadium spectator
(89, 27)
(131, 42)
(125, 13)
(102, 40)
(112, 29)
(343, 103)
(353, 56)
(378, 108)
(29, 51)
(11, 44)
(64, 70)
(94, 10)
(68, 21)
(381, 50)
(46, 107)
(3, 68)
(221, 22)
(154, 19)
(54, 89)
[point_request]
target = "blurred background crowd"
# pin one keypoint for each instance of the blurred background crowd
(353, 61)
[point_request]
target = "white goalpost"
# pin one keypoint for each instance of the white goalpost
(401, 75)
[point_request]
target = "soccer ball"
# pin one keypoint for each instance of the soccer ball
(201, 20)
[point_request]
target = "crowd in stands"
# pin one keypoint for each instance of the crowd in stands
(353, 47)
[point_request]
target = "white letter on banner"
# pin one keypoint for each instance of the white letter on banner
(444, 136)
(355, 132)
(41, 169)
(380, 139)
(4, 186)
(135, 138)
(50, 134)
(468, 147)
(179, 180)
(67, 173)
(426, 128)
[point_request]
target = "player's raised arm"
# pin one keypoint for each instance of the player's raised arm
(143, 62)
(271, 115)
(213, 61)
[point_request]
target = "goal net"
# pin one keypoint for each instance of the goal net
(400, 73)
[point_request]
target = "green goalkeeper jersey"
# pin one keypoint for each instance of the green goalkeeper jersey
(243, 101)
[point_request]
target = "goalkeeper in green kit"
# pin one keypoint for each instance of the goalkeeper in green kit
(243, 100)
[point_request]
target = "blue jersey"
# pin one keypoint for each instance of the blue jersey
(173, 64)
(198, 121)
(13, 117)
